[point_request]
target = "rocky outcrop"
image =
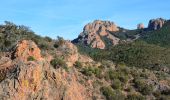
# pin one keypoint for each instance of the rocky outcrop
(69, 52)
(140, 26)
(5, 63)
(94, 32)
(27, 48)
(30, 80)
(72, 55)
(155, 24)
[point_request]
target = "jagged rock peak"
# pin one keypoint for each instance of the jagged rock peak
(101, 26)
(155, 24)
(93, 32)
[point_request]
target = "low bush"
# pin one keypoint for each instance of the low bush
(116, 84)
(59, 42)
(78, 64)
(143, 87)
(110, 94)
(57, 62)
(89, 71)
(31, 58)
(135, 97)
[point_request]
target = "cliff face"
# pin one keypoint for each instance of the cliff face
(93, 32)
(36, 79)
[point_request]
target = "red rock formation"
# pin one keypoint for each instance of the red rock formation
(37, 79)
(72, 55)
(93, 32)
(27, 48)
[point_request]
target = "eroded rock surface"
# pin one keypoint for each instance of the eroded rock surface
(38, 80)
(94, 32)
(27, 48)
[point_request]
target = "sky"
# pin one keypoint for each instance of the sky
(66, 18)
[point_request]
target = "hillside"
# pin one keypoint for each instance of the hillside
(40, 68)
(146, 47)
(159, 37)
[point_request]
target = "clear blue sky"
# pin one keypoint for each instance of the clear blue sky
(66, 18)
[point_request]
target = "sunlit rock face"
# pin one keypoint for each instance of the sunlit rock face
(37, 79)
(27, 48)
(93, 32)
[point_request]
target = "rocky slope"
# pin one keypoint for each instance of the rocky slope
(94, 32)
(30, 79)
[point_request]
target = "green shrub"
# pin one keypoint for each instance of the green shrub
(137, 53)
(89, 71)
(98, 72)
(112, 95)
(129, 89)
(112, 74)
(116, 84)
(124, 79)
(57, 62)
(56, 45)
(108, 92)
(143, 87)
(48, 39)
(135, 97)
(44, 46)
(118, 74)
(31, 58)
(78, 64)
(10, 34)
(59, 42)
(157, 94)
